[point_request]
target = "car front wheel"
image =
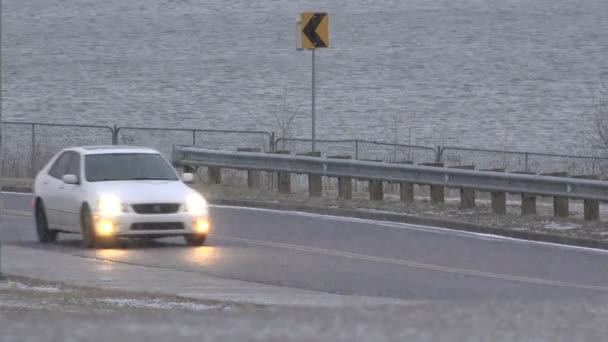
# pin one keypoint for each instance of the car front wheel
(45, 235)
(89, 239)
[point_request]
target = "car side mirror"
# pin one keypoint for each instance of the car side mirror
(70, 179)
(188, 177)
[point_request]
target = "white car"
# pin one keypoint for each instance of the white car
(107, 192)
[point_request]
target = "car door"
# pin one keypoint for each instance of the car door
(49, 190)
(69, 196)
(73, 194)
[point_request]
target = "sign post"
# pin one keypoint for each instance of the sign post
(3, 281)
(314, 33)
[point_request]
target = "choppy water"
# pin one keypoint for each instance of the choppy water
(478, 73)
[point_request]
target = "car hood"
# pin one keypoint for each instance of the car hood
(144, 191)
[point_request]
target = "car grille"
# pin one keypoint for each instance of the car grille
(156, 208)
(158, 226)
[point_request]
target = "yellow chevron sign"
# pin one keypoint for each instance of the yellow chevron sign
(315, 30)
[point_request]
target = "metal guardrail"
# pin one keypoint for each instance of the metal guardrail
(524, 161)
(361, 149)
(416, 174)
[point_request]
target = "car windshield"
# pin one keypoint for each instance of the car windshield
(127, 166)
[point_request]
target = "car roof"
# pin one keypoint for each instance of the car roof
(108, 149)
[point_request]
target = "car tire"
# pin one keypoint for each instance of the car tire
(89, 239)
(195, 240)
(45, 235)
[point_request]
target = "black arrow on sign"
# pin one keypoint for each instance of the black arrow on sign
(310, 30)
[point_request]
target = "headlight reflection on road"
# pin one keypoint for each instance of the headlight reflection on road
(204, 255)
(110, 254)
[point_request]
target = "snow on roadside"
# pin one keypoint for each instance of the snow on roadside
(559, 226)
(157, 304)
(47, 289)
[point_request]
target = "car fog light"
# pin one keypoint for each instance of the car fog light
(105, 228)
(202, 226)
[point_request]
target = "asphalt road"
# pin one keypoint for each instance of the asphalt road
(355, 257)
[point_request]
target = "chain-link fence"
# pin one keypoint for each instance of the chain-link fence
(525, 161)
(163, 139)
(361, 149)
(29, 146)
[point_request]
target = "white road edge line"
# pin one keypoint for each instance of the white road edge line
(418, 265)
(408, 226)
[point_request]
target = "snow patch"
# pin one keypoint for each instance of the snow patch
(559, 226)
(46, 289)
(157, 304)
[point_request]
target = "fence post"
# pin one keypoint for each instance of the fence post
(33, 161)
(114, 135)
(271, 137)
(526, 162)
(356, 149)
(438, 154)
(193, 137)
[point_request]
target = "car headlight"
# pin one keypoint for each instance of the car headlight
(109, 205)
(196, 205)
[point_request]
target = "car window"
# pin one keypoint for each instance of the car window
(60, 165)
(73, 167)
(127, 166)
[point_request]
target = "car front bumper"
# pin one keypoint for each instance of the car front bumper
(133, 225)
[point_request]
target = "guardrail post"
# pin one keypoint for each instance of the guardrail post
(345, 184)
(376, 190)
(283, 178)
(528, 204)
(315, 184)
(375, 187)
(437, 192)
(406, 190)
(499, 199)
(467, 195)
(253, 176)
(215, 175)
(528, 201)
(591, 208)
(560, 204)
